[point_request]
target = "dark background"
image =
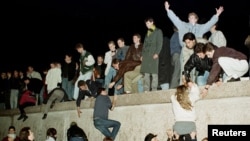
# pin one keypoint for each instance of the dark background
(37, 33)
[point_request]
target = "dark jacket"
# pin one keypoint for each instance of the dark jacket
(201, 65)
(75, 131)
(93, 88)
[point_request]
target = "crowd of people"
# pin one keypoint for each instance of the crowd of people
(196, 61)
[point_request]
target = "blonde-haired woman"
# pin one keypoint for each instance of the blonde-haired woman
(183, 104)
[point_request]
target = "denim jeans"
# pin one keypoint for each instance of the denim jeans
(201, 80)
(108, 78)
(103, 126)
(68, 86)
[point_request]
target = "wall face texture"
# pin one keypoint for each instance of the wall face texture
(139, 114)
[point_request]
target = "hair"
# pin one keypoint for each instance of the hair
(115, 61)
(24, 134)
(247, 42)
(205, 139)
(100, 90)
(12, 127)
(199, 48)
(81, 83)
(137, 35)
(188, 36)
(209, 47)
(182, 97)
(73, 123)
(193, 14)
(111, 42)
(149, 19)
(107, 139)
(79, 45)
(121, 39)
(51, 132)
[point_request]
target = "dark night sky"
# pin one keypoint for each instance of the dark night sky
(36, 33)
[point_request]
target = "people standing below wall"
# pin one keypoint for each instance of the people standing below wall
(217, 37)
(231, 61)
(101, 115)
(75, 133)
(11, 135)
(152, 46)
(26, 134)
(151, 137)
(86, 66)
(51, 134)
(183, 104)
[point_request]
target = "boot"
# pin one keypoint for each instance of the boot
(44, 116)
(20, 117)
(24, 117)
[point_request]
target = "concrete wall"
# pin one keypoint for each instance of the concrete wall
(139, 114)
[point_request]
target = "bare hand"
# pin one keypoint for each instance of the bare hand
(79, 112)
(167, 5)
(155, 56)
(119, 87)
(204, 93)
(111, 84)
(219, 10)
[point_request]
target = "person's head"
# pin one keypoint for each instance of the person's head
(12, 132)
(79, 47)
(136, 38)
(189, 39)
(115, 63)
(73, 123)
(193, 18)
(68, 58)
(99, 59)
(209, 49)
(82, 85)
(151, 137)
(213, 28)
(107, 139)
(149, 22)
(51, 132)
(26, 134)
(205, 139)
(247, 41)
(111, 45)
(121, 42)
(198, 50)
(102, 91)
(182, 97)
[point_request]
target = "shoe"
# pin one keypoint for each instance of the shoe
(24, 117)
(233, 79)
(20, 117)
(44, 116)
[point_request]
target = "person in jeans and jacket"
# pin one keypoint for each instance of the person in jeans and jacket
(75, 133)
(201, 63)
